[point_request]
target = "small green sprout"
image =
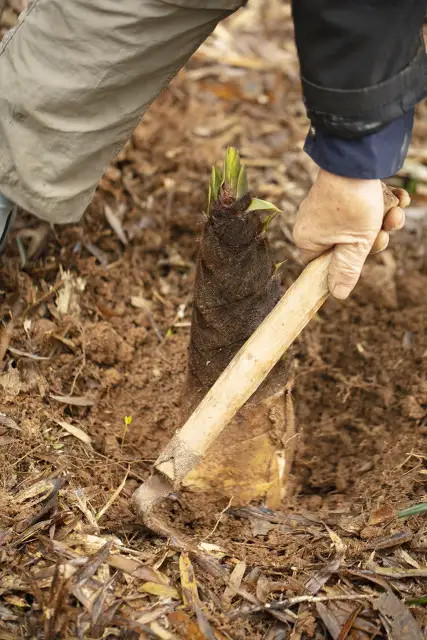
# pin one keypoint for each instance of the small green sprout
(234, 179)
(277, 266)
(128, 421)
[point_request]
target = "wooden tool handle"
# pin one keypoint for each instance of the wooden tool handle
(249, 367)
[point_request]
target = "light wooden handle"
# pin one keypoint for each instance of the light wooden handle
(249, 367)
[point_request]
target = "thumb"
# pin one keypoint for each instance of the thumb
(345, 268)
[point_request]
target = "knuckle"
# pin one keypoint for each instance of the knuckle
(346, 267)
(301, 236)
(297, 234)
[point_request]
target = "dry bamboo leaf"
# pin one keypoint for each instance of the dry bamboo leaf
(25, 354)
(404, 555)
(260, 527)
(391, 572)
(100, 255)
(136, 569)
(140, 303)
(188, 581)
(77, 401)
(74, 431)
(91, 566)
(263, 588)
(234, 583)
(385, 542)
(16, 601)
(329, 620)
(161, 590)
(32, 531)
(40, 489)
(186, 627)
(191, 595)
(115, 224)
(90, 543)
(348, 624)
(9, 423)
(381, 515)
(397, 618)
(320, 578)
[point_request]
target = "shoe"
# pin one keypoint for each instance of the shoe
(7, 215)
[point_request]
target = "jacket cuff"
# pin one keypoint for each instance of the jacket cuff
(351, 113)
(377, 155)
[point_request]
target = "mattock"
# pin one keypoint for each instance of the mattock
(244, 374)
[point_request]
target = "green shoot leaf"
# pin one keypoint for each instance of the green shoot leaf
(231, 169)
(277, 266)
(216, 182)
(413, 511)
(262, 205)
(417, 601)
(214, 187)
(268, 219)
(242, 184)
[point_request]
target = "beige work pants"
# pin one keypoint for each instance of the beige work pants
(75, 78)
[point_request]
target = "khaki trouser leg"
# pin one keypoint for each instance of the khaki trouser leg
(75, 78)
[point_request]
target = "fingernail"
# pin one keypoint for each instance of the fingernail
(340, 291)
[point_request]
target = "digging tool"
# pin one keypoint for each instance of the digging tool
(240, 379)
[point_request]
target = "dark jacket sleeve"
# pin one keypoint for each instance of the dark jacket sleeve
(376, 155)
(363, 62)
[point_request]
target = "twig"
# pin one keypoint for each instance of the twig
(219, 519)
(114, 496)
(348, 624)
(289, 602)
(54, 288)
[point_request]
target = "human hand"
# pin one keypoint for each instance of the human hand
(354, 217)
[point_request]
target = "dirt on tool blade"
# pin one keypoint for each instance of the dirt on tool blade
(111, 320)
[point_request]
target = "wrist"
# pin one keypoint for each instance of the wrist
(326, 177)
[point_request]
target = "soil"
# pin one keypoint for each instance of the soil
(112, 322)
